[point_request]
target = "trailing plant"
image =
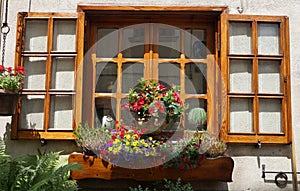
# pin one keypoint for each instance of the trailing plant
(40, 172)
(166, 185)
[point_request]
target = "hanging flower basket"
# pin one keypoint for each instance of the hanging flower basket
(8, 102)
(11, 82)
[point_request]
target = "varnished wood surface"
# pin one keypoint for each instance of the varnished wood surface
(218, 169)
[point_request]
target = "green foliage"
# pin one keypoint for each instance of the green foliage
(35, 173)
(197, 116)
(166, 185)
(91, 138)
(212, 146)
(11, 79)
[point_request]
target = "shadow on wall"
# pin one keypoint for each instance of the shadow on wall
(21, 147)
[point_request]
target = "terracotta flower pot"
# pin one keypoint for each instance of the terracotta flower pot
(8, 102)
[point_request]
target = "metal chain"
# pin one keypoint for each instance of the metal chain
(4, 30)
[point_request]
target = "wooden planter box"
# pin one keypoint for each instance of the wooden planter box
(218, 169)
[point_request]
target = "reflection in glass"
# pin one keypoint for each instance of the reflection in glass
(241, 115)
(195, 78)
(268, 38)
(240, 38)
(62, 73)
(133, 41)
(107, 43)
(126, 115)
(35, 68)
(195, 43)
(64, 37)
(106, 77)
(104, 107)
(32, 112)
(131, 73)
(169, 43)
(36, 35)
(61, 112)
(169, 73)
(195, 103)
(270, 116)
(269, 76)
(240, 76)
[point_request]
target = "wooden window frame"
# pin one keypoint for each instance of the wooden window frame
(17, 132)
(100, 19)
(285, 96)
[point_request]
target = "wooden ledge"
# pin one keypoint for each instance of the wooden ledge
(218, 169)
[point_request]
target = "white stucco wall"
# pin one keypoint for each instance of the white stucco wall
(248, 159)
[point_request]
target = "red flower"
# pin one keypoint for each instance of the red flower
(157, 105)
(2, 68)
(20, 69)
(9, 69)
(181, 166)
(141, 101)
(151, 110)
(161, 87)
(176, 96)
(162, 110)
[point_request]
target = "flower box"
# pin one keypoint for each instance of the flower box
(217, 169)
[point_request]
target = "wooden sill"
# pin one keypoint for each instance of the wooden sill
(218, 169)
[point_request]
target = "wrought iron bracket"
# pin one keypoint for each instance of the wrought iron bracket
(281, 178)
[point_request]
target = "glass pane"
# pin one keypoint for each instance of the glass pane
(107, 44)
(133, 41)
(105, 112)
(131, 73)
(268, 38)
(35, 68)
(61, 112)
(169, 43)
(195, 78)
(64, 38)
(106, 77)
(269, 76)
(240, 38)
(169, 73)
(36, 35)
(241, 115)
(32, 112)
(190, 123)
(195, 43)
(62, 73)
(270, 116)
(126, 116)
(241, 76)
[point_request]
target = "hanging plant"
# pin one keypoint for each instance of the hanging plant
(11, 83)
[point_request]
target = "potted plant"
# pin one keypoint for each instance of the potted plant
(197, 116)
(11, 83)
(156, 105)
(130, 154)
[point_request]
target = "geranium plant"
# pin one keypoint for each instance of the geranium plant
(12, 79)
(150, 98)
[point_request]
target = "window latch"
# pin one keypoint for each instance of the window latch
(285, 79)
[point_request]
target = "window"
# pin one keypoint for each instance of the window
(47, 47)
(126, 47)
(256, 70)
(234, 66)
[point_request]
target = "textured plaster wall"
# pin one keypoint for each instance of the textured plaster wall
(248, 159)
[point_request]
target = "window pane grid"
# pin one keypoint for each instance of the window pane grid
(264, 76)
(49, 71)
